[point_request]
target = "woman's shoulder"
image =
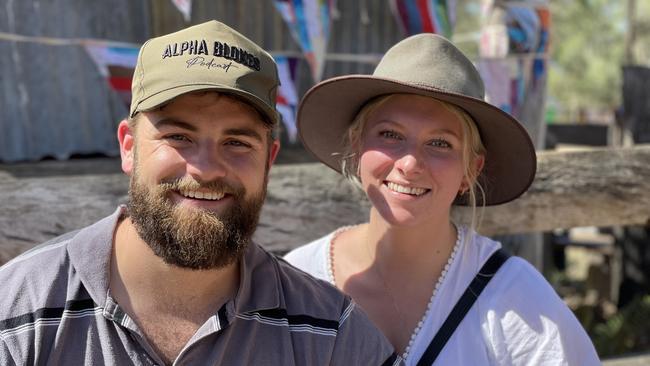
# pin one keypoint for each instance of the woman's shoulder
(311, 257)
(521, 313)
(515, 275)
(517, 282)
(308, 250)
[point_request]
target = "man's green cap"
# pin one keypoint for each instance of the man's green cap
(208, 56)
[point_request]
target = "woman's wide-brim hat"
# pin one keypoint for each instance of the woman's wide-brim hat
(428, 65)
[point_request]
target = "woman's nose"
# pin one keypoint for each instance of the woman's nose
(409, 163)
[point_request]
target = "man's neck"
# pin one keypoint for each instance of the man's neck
(141, 281)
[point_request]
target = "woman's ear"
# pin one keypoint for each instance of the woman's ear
(126, 138)
(478, 163)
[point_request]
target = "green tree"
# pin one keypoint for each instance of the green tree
(587, 51)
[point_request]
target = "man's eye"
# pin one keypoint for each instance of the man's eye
(177, 137)
(237, 143)
(390, 134)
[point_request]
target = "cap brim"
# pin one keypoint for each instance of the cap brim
(328, 109)
(165, 96)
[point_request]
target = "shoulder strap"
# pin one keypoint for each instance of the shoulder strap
(463, 305)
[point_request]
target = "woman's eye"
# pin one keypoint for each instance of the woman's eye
(390, 134)
(440, 143)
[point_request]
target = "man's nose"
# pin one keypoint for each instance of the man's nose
(207, 164)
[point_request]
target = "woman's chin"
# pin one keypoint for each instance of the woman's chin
(402, 218)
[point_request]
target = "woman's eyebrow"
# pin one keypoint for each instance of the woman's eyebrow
(445, 131)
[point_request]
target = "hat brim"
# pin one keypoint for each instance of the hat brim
(328, 109)
(161, 98)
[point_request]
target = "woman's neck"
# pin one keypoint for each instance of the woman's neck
(391, 271)
(419, 245)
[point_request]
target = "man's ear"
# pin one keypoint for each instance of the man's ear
(273, 152)
(126, 137)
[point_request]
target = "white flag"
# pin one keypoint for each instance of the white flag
(185, 7)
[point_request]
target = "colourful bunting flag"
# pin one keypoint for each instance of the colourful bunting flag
(523, 30)
(116, 64)
(539, 66)
(309, 23)
(185, 7)
(287, 100)
(425, 16)
(507, 81)
(513, 53)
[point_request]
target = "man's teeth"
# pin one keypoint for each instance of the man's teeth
(408, 190)
(214, 196)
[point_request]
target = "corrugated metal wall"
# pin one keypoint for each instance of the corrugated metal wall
(53, 101)
(259, 21)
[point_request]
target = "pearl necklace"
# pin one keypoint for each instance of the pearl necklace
(330, 252)
(441, 279)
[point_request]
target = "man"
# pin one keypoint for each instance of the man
(171, 277)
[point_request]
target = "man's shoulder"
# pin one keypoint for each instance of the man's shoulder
(30, 279)
(301, 298)
(311, 305)
(46, 255)
(304, 293)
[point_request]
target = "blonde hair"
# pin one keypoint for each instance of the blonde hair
(472, 150)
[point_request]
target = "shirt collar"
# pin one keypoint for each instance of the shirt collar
(90, 254)
(91, 250)
(259, 286)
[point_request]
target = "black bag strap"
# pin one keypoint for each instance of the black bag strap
(463, 305)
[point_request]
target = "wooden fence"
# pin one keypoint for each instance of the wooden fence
(599, 187)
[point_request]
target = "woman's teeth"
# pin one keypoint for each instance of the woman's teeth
(408, 190)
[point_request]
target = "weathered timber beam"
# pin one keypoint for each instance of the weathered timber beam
(599, 187)
(595, 187)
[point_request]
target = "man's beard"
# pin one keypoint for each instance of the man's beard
(190, 237)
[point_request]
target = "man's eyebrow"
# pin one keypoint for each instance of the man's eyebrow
(172, 122)
(244, 132)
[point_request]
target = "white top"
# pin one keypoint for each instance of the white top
(517, 320)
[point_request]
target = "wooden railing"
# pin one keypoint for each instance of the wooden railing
(597, 187)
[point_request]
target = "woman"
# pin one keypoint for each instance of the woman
(418, 138)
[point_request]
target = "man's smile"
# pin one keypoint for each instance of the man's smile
(210, 196)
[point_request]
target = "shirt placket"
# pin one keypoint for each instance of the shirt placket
(217, 323)
(114, 313)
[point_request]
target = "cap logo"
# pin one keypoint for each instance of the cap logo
(219, 49)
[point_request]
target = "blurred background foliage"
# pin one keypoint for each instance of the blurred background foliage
(590, 41)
